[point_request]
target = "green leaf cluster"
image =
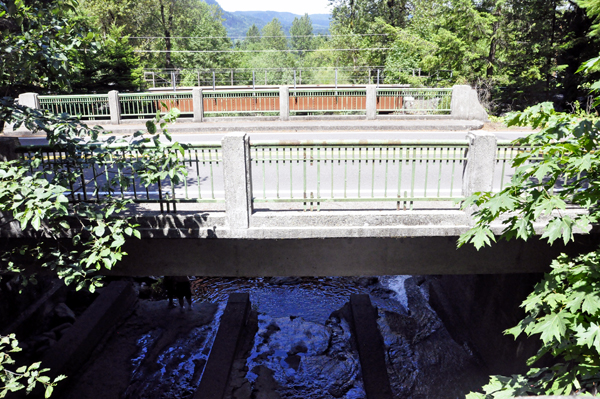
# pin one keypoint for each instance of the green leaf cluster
(24, 377)
(554, 192)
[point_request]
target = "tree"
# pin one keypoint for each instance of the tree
(39, 45)
(273, 37)
(75, 240)
(301, 34)
(114, 66)
(561, 167)
(252, 36)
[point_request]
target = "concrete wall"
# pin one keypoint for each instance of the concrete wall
(337, 257)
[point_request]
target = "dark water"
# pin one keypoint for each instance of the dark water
(302, 352)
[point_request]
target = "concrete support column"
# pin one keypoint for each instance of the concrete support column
(284, 103)
(465, 104)
(114, 106)
(478, 174)
(371, 102)
(198, 104)
(237, 178)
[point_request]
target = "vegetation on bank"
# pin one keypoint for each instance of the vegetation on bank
(517, 53)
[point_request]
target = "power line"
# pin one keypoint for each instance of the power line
(253, 37)
(259, 51)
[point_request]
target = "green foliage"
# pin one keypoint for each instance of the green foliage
(114, 66)
(301, 34)
(38, 45)
(558, 168)
(25, 377)
(564, 311)
(273, 36)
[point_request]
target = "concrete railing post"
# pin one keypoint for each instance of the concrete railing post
(114, 106)
(237, 179)
(30, 100)
(198, 104)
(371, 102)
(465, 104)
(478, 175)
(284, 103)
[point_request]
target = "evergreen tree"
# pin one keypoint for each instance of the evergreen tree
(273, 37)
(301, 34)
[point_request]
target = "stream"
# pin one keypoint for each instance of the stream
(304, 347)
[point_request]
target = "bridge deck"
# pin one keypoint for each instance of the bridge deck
(265, 124)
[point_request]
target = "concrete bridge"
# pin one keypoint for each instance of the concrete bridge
(370, 107)
(271, 218)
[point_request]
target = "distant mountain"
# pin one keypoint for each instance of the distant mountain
(237, 23)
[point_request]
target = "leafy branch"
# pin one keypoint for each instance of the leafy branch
(559, 167)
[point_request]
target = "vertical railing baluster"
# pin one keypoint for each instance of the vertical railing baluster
(359, 168)
(212, 177)
(426, 168)
(440, 161)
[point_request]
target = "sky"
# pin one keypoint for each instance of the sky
(293, 6)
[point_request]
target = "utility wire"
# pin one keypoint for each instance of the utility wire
(252, 37)
(259, 51)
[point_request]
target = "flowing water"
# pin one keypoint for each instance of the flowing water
(304, 346)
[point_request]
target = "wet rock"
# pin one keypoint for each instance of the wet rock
(426, 319)
(60, 330)
(285, 280)
(50, 335)
(265, 387)
(63, 314)
(243, 392)
(145, 291)
(366, 281)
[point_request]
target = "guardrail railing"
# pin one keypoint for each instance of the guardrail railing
(313, 101)
(145, 105)
(414, 101)
(370, 101)
(240, 102)
(87, 107)
(203, 183)
(308, 173)
(362, 171)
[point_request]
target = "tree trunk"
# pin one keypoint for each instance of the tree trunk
(493, 43)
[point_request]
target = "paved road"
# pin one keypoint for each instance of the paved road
(338, 179)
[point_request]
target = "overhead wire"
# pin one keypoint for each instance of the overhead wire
(260, 51)
(253, 37)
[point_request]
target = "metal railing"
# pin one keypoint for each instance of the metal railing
(414, 101)
(358, 171)
(359, 75)
(95, 181)
(242, 102)
(311, 101)
(146, 105)
(87, 107)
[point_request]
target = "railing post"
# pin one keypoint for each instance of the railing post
(284, 103)
(478, 175)
(237, 177)
(114, 107)
(371, 102)
(30, 100)
(465, 104)
(198, 104)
